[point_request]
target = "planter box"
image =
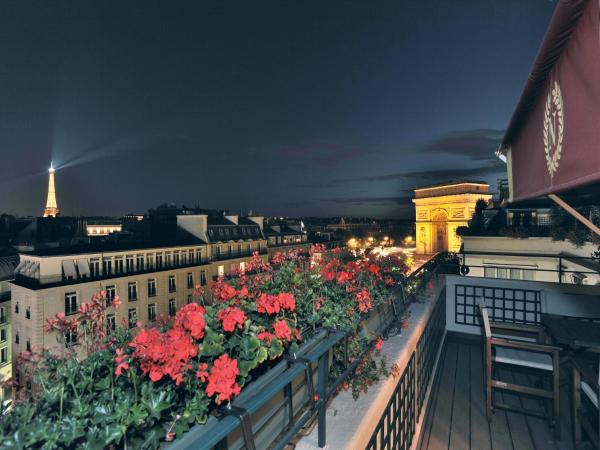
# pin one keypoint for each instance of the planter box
(383, 316)
(278, 398)
(273, 416)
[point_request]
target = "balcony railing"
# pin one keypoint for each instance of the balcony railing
(559, 268)
(262, 418)
(34, 283)
(235, 254)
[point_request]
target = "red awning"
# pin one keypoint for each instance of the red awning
(553, 139)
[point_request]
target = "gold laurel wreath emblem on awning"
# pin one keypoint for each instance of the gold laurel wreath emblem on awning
(553, 128)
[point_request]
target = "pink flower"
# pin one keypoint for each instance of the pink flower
(379, 344)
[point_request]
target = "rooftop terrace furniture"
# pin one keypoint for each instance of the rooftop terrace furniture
(576, 333)
(510, 347)
(586, 390)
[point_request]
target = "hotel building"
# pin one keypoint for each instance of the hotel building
(152, 277)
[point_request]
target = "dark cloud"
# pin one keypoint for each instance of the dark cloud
(479, 145)
(375, 201)
(318, 153)
(454, 174)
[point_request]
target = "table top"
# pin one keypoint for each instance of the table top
(575, 333)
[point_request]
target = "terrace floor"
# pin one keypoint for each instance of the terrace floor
(456, 413)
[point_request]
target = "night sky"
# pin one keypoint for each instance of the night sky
(285, 107)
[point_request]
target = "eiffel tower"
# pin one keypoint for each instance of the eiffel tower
(51, 206)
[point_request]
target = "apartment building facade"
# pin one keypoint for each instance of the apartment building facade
(150, 278)
(7, 268)
(285, 235)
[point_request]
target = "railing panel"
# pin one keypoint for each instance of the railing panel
(428, 347)
(504, 304)
(396, 427)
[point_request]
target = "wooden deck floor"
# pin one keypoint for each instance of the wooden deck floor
(456, 412)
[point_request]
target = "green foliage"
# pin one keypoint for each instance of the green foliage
(83, 403)
(566, 228)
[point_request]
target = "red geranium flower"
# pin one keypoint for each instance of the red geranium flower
(282, 330)
(221, 380)
(374, 269)
(287, 301)
(364, 300)
(231, 317)
(266, 336)
(343, 277)
(191, 318)
(379, 344)
(121, 360)
(202, 372)
(278, 258)
(268, 304)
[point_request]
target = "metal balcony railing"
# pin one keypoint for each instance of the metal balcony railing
(560, 268)
(272, 410)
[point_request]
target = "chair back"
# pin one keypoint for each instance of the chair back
(485, 318)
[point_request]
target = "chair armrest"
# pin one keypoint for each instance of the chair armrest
(517, 327)
(525, 345)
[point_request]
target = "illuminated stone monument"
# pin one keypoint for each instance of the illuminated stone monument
(441, 209)
(51, 206)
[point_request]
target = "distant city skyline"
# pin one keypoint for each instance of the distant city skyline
(289, 109)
